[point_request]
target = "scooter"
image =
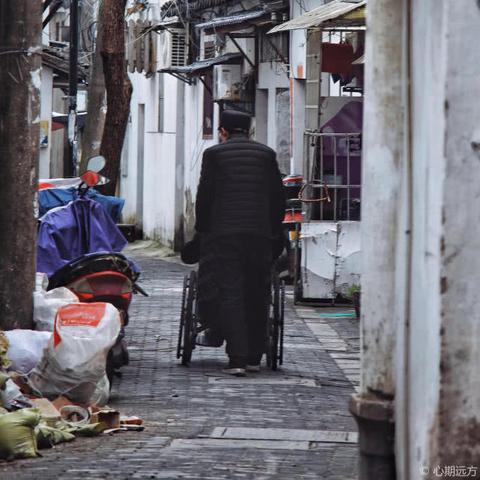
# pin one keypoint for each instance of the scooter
(79, 248)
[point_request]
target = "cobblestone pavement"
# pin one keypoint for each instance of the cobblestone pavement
(289, 424)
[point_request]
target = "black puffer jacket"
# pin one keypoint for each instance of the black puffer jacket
(240, 190)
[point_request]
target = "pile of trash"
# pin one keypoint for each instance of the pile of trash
(53, 382)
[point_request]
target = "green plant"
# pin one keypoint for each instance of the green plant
(355, 288)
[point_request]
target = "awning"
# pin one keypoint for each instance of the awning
(58, 60)
(60, 120)
(165, 24)
(201, 66)
(243, 19)
(335, 14)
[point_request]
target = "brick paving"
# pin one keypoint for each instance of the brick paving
(288, 424)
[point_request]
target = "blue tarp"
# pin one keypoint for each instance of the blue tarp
(80, 228)
(57, 197)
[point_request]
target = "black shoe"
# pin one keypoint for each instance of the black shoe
(207, 338)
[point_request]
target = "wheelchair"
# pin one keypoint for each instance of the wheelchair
(190, 321)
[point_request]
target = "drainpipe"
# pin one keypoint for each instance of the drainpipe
(179, 233)
(383, 166)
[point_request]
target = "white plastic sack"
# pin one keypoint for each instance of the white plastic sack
(41, 281)
(25, 348)
(46, 305)
(75, 358)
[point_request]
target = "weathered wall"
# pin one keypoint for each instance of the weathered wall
(419, 346)
(458, 441)
(421, 229)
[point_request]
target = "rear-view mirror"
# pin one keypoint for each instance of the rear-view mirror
(96, 163)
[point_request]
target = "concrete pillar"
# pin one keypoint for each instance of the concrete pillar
(383, 164)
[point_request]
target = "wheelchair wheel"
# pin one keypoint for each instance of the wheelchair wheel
(188, 325)
(275, 324)
(182, 316)
(282, 321)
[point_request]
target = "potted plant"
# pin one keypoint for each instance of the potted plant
(354, 294)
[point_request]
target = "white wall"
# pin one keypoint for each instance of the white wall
(46, 104)
(298, 125)
(273, 78)
(158, 219)
(298, 38)
(298, 74)
(195, 145)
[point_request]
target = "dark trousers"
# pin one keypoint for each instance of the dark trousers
(241, 267)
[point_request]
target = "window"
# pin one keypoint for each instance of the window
(161, 102)
(208, 105)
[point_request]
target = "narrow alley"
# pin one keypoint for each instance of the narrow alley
(293, 423)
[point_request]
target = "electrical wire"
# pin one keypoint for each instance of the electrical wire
(20, 51)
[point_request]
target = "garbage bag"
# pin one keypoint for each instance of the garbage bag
(25, 348)
(47, 436)
(46, 305)
(11, 397)
(101, 394)
(75, 358)
(17, 434)
(41, 282)
(87, 430)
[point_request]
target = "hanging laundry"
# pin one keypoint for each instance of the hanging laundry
(337, 58)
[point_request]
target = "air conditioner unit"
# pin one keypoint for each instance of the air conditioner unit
(227, 82)
(173, 48)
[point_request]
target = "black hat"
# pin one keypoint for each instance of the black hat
(234, 121)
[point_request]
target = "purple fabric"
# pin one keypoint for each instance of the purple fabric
(80, 228)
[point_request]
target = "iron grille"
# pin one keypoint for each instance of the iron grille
(333, 169)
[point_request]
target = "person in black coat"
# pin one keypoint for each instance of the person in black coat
(240, 206)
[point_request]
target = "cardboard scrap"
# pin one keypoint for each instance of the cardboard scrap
(108, 416)
(131, 420)
(49, 413)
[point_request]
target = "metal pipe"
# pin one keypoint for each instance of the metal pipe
(348, 177)
(71, 167)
